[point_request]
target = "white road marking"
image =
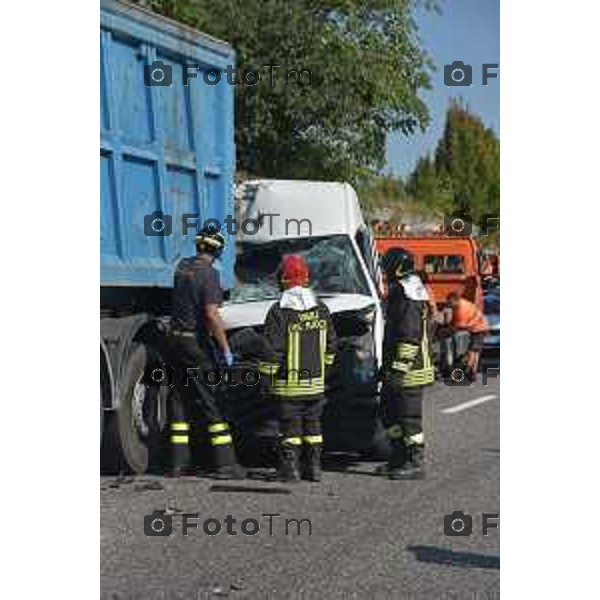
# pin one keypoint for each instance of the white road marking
(468, 404)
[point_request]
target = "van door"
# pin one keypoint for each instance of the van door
(366, 245)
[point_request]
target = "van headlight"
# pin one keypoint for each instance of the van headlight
(355, 331)
(368, 315)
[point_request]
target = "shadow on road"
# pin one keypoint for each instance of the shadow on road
(346, 463)
(493, 452)
(443, 556)
(247, 489)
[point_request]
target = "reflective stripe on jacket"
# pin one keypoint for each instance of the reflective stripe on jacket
(413, 366)
(304, 343)
(406, 345)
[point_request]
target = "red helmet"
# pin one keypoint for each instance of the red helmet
(294, 271)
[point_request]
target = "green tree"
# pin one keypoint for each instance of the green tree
(383, 191)
(429, 188)
(367, 69)
(468, 156)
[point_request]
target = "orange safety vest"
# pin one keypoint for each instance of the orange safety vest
(467, 316)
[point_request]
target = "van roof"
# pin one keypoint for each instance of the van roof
(428, 243)
(321, 208)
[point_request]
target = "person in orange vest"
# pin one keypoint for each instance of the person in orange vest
(467, 317)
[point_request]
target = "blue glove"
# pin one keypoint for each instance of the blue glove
(228, 357)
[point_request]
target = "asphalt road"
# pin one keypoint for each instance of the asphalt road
(371, 538)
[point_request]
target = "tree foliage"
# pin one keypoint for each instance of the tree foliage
(367, 69)
(464, 173)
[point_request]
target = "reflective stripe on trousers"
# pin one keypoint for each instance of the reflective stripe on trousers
(180, 432)
(219, 433)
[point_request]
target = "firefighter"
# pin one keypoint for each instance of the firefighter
(198, 347)
(300, 331)
(407, 367)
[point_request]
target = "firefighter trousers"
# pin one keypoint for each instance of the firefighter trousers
(401, 411)
(192, 364)
(300, 420)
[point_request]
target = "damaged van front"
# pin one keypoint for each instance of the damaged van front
(325, 226)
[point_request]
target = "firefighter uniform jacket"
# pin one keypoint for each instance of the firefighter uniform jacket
(300, 331)
(406, 344)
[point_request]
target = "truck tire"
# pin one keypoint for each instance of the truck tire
(105, 388)
(140, 418)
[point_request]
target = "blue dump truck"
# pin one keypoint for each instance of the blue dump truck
(166, 152)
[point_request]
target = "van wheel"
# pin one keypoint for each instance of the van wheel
(141, 416)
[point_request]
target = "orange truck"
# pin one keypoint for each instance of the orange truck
(450, 263)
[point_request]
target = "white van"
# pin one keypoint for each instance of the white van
(323, 222)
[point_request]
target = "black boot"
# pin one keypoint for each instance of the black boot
(175, 472)
(413, 466)
(396, 460)
(226, 465)
(312, 465)
(180, 461)
(288, 463)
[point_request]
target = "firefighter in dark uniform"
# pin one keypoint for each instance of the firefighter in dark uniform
(197, 346)
(407, 366)
(300, 331)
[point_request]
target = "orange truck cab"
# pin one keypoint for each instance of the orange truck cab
(450, 263)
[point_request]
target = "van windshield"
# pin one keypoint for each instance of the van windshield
(334, 267)
(449, 264)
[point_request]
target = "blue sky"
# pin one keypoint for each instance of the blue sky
(467, 30)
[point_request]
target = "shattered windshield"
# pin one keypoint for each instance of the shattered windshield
(333, 264)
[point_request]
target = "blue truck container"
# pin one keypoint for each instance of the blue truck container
(166, 150)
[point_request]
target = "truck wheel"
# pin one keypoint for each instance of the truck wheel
(141, 416)
(105, 390)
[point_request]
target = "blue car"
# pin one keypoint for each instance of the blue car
(491, 308)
